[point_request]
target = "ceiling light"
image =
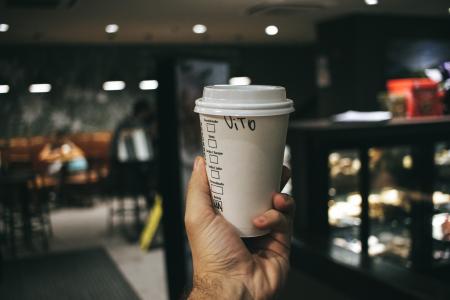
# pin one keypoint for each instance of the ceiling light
(40, 88)
(148, 84)
(271, 30)
(371, 2)
(113, 85)
(4, 88)
(112, 28)
(4, 27)
(240, 81)
(199, 29)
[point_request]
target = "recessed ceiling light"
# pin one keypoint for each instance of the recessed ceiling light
(113, 85)
(199, 28)
(148, 84)
(240, 80)
(4, 88)
(4, 27)
(271, 30)
(40, 88)
(371, 2)
(112, 28)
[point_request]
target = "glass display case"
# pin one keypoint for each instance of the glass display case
(391, 201)
(441, 202)
(344, 205)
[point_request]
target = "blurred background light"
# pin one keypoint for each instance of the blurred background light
(112, 28)
(40, 88)
(199, 29)
(271, 30)
(4, 88)
(434, 74)
(148, 84)
(4, 27)
(113, 85)
(371, 2)
(240, 80)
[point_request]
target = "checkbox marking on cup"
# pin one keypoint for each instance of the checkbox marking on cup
(216, 189)
(211, 127)
(214, 159)
(215, 174)
(212, 143)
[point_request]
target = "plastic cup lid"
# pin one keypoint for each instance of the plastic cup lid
(244, 100)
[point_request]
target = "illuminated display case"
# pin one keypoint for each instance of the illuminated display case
(374, 194)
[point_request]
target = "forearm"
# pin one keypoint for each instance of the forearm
(218, 288)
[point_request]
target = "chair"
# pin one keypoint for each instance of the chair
(130, 180)
(23, 208)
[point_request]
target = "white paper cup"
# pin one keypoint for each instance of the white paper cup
(243, 133)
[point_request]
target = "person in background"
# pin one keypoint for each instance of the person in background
(134, 137)
(133, 156)
(62, 155)
(63, 162)
(226, 266)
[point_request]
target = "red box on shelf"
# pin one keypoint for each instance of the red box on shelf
(422, 96)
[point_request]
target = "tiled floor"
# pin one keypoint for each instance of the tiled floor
(77, 228)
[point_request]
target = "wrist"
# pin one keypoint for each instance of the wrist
(218, 287)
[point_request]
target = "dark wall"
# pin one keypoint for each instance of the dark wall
(78, 103)
(357, 48)
(290, 67)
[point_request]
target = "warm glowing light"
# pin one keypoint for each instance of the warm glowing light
(407, 162)
(440, 198)
(4, 27)
(199, 29)
(4, 88)
(354, 199)
(333, 158)
(112, 28)
(113, 85)
(356, 164)
(148, 84)
(391, 197)
(271, 30)
(40, 88)
(240, 80)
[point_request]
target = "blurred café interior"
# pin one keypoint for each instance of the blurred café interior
(98, 138)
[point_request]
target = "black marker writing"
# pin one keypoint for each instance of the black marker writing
(218, 205)
(240, 123)
(252, 125)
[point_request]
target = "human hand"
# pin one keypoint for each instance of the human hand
(226, 266)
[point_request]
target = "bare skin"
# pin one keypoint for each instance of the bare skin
(226, 266)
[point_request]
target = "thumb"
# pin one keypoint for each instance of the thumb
(198, 198)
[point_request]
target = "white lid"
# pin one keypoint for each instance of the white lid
(244, 100)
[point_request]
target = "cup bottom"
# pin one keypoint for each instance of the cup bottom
(252, 232)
